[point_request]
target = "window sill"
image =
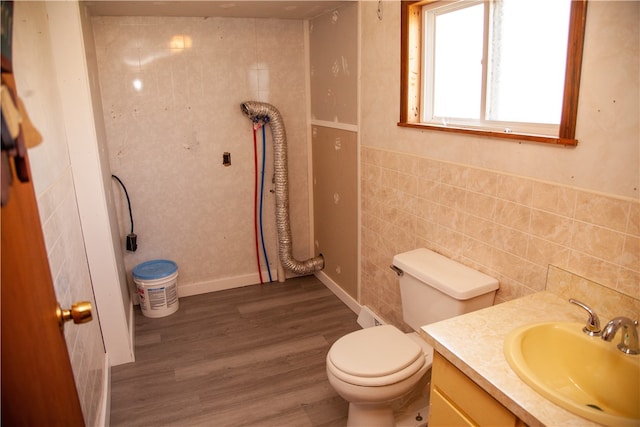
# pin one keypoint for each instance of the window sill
(492, 134)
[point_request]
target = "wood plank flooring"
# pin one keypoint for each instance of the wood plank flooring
(252, 356)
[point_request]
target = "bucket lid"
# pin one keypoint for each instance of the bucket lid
(155, 269)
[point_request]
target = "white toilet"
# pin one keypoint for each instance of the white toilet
(373, 367)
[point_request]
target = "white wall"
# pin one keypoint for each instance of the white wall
(87, 154)
(608, 153)
(166, 141)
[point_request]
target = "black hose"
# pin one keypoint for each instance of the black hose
(128, 201)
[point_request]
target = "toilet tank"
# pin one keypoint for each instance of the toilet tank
(434, 287)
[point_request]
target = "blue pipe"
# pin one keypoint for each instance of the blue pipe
(264, 156)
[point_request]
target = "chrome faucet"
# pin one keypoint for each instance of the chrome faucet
(592, 327)
(629, 340)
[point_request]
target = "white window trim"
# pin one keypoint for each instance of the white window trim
(430, 11)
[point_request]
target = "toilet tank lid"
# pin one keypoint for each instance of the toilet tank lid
(446, 275)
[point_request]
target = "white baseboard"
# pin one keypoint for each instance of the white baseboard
(339, 292)
(188, 289)
(368, 318)
(132, 331)
(104, 406)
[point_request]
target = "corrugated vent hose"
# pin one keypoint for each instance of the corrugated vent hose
(263, 112)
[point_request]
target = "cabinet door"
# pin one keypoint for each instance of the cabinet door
(466, 397)
(444, 414)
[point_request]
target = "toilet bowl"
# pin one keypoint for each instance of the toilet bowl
(374, 367)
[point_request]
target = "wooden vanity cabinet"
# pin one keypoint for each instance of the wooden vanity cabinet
(457, 401)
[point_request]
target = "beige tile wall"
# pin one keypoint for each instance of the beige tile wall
(507, 226)
(63, 239)
(606, 302)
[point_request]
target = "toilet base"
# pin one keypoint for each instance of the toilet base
(370, 416)
(414, 416)
(411, 410)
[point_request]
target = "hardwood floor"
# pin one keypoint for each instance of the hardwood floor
(252, 356)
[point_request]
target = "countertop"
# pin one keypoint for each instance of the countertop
(474, 343)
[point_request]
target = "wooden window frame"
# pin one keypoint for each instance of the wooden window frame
(411, 76)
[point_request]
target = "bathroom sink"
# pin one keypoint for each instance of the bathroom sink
(585, 375)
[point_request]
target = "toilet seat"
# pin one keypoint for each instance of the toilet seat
(376, 356)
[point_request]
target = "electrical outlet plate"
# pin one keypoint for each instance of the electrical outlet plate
(132, 242)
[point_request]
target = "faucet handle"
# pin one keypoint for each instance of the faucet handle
(592, 328)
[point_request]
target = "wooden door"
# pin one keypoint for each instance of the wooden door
(38, 388)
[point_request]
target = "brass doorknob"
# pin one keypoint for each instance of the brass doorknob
(80, 313)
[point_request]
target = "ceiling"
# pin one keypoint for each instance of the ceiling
(287, 9)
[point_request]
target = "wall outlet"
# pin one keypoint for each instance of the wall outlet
(132, 242)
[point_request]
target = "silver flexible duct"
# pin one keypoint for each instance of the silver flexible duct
(263, 112)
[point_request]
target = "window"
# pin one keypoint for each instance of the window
(512, 72)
